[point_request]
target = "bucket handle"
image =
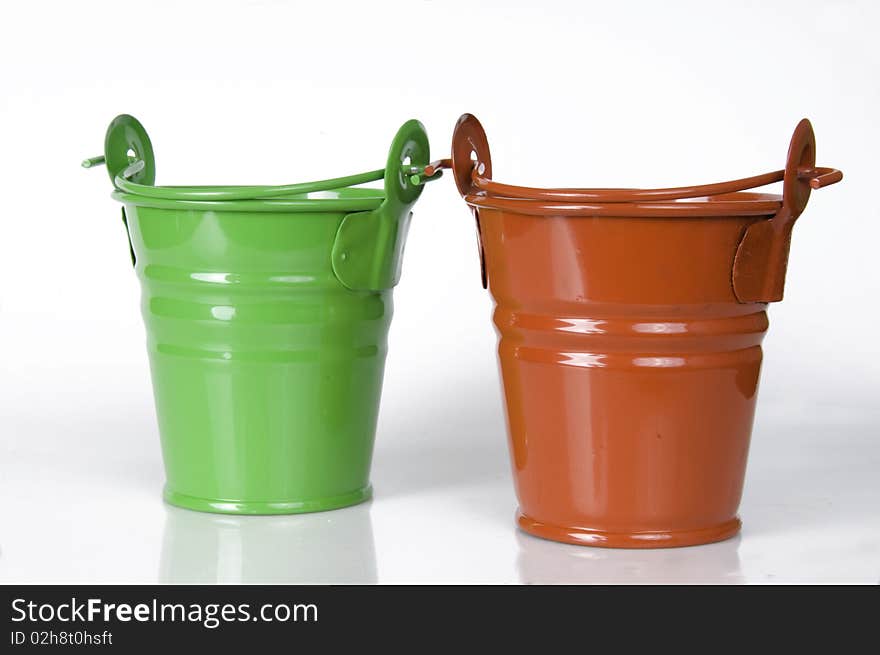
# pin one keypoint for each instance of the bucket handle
(131, 165)
(472, 178)
(761, 259)
(818, 177)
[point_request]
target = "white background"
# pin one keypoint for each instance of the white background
(579, 94)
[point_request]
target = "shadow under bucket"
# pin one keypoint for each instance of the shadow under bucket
(267, 312)
(630, 325)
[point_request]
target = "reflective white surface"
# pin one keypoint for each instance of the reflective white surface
(80, 468)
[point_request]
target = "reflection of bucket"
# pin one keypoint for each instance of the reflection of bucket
(321, 548)
(544, 562)
(267, 313)
(630, 324)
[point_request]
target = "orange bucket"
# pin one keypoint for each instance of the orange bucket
(630, 326)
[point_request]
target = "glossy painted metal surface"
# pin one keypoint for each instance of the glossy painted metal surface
(630, 326)
(267, 314)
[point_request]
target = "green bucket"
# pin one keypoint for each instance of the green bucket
(267, 311)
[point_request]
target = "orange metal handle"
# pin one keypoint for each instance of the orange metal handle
(472, 168)
(817, 178)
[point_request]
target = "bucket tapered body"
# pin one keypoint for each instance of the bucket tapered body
(267, 371)
(630, 324)
(630, 374)
(267, 311)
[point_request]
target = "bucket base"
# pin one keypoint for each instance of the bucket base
(267, 507)
(653, 539)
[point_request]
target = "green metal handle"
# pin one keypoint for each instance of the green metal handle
(128, 155)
